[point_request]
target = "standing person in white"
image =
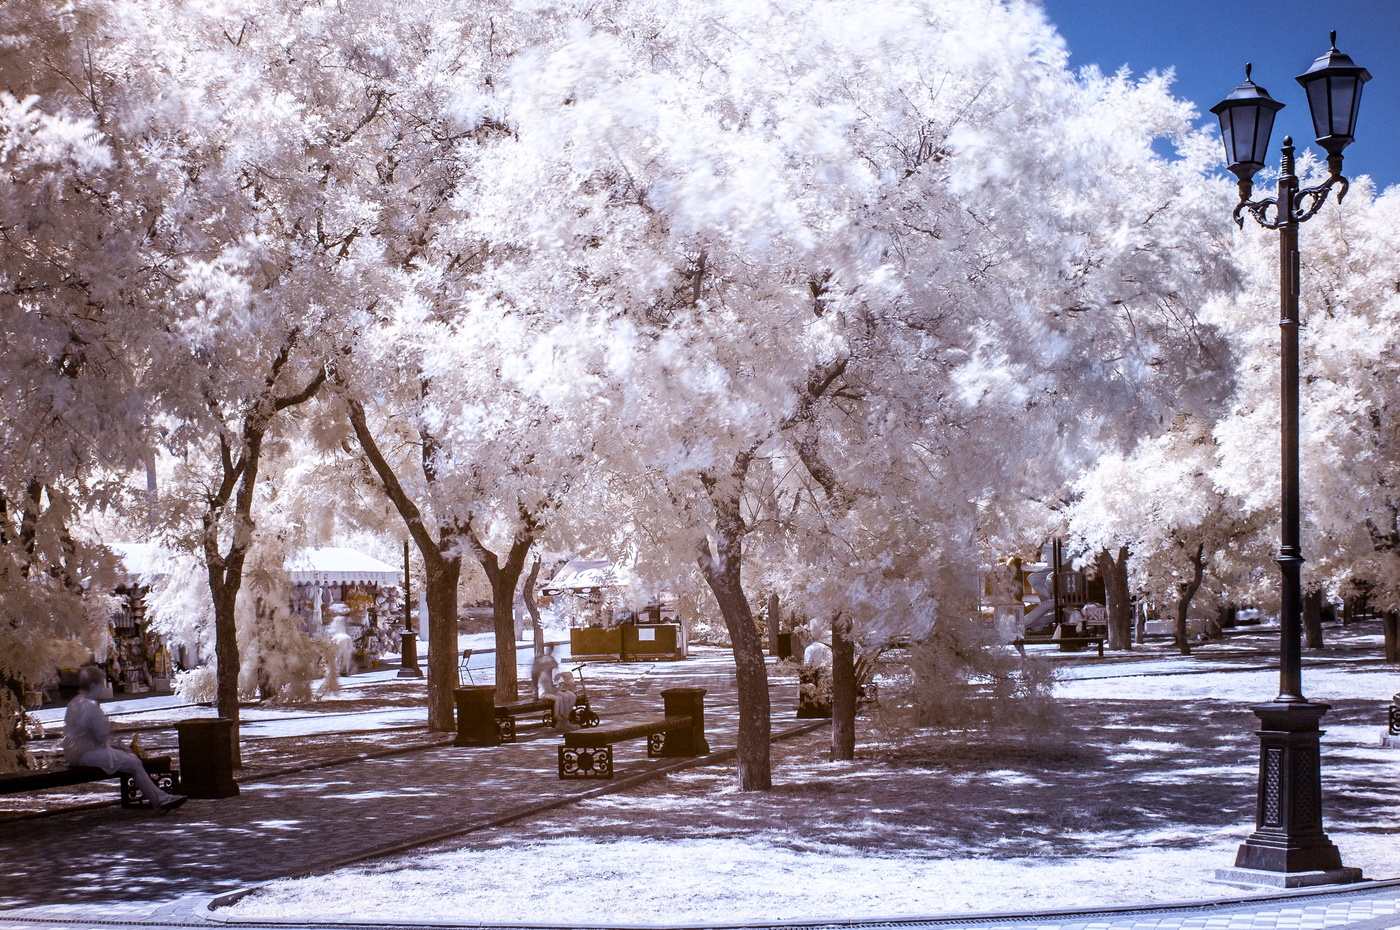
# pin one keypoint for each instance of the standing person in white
(87, 740)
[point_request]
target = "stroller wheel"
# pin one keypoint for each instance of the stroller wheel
(590, 719)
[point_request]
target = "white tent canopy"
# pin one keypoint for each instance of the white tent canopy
(579, 576)
(332, 565)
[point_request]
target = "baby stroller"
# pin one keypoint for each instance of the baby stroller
(582, 715)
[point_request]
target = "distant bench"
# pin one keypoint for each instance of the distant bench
(680, 733)
(506, 714)
(1066, 643)
(62, 776)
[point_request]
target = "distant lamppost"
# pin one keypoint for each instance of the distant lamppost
(408, 649)
(1288, 838)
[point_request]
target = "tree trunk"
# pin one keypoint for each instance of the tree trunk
(504, 578)
(1390, 627)
(226, 657)
(773, 625)
(443, 575)
(843, 690)
(533, 609)
(755, 714)
(1312, 618)
(1183, 604)
(722, 570)
(1119, 601)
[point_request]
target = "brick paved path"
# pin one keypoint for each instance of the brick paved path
(296, 823)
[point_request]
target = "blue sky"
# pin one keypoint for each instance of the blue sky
(1207, 43)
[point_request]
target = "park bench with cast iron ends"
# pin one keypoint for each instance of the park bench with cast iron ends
(506, 714)
(1066, 643)
(64, 775)
(588, 753)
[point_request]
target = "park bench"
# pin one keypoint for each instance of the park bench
(1066, 643)
(679, 733)
(506, 714)
(62, 776)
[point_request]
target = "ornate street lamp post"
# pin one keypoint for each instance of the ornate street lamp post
(1288, 847)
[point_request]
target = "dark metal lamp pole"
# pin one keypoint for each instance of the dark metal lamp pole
(1288, 847)
(408, 664)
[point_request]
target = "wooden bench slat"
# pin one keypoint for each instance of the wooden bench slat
(65, 775)
(524, 707)
(606, 736)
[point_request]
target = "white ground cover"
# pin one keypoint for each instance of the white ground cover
(584, 864)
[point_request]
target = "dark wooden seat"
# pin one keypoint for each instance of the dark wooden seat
(506, 714)
(64, 775)
(1066, 643)
(588, 753)
(604, 736)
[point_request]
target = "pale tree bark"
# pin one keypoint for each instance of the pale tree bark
(442, 559)
(843, 690)
(721, 567)
(1114, 571)
(1187, 591)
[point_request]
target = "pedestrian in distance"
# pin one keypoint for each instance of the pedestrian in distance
(87, 740)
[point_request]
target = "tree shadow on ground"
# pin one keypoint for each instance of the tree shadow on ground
(1106, 776)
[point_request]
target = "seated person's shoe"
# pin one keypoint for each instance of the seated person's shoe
(174, 801)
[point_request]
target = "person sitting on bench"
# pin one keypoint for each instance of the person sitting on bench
(564, 699)
(87, 740)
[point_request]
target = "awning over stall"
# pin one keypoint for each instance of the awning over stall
(332, 565)
(580, 577)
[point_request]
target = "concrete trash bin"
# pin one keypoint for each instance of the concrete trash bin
(206, 757)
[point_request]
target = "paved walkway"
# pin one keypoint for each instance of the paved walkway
(108, 867)
(316, 819)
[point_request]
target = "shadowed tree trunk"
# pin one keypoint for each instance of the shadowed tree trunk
(721, 567)
(843, 690)
(773, 626)
(1390, 627)
(504, 578)
(1118, 600)
(442, 561)
(1312, 618)
(1187, 591)
(238, 484)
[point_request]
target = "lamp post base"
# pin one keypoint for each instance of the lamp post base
(1343, 876)
(1288, 838)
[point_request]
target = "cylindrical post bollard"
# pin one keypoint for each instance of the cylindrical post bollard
(408, 652)
(476, 716)
(685, 702)
(206, 757)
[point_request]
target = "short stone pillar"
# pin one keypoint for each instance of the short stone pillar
(476, 716)
(206, 757)
(685, 702)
